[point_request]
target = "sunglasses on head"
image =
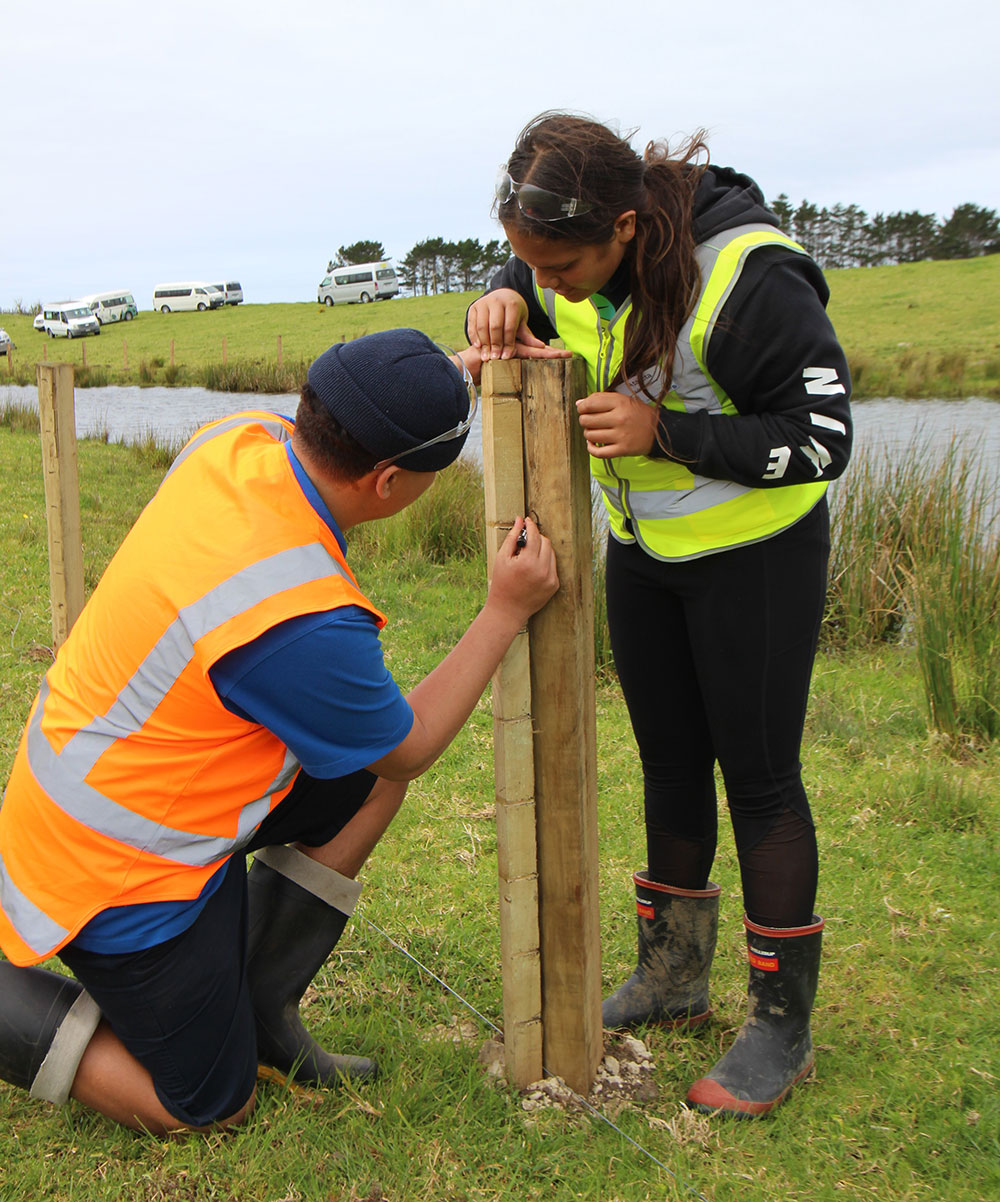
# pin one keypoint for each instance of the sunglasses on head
(538, 203)
(448, 435)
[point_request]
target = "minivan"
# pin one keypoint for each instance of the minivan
(171, 298)
(358, 283)
(69, 319)
(111, 306)
(231, 290)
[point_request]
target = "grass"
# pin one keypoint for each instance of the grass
(916, 557)
(924, 329)
(904, 1107)
(251, 334)
(910, 330)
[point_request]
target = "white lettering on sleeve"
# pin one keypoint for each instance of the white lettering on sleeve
(818, 456)
(820, 381)
(828, 423)
(778, 463)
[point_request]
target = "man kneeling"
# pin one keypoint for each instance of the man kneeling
(224, 692)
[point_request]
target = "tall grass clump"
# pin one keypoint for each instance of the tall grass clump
(886, 512)
(915, 555)
(246, 376)
(447, 522)
(955, 592)
(22, 418)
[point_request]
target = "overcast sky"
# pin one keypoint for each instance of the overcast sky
(208, 138)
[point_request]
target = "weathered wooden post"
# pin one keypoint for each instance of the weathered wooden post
(57, 418)
(279, 351)
(531, 435)
(514, 768)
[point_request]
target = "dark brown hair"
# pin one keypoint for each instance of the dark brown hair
(579, 157)
(326, 441)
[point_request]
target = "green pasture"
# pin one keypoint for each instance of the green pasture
(912, 330)
(905, 1103)
(251, 334)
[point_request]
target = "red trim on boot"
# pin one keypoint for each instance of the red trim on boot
(784, 932)
(643, 882)
(713, 1096)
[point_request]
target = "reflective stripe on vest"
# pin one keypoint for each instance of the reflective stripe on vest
(670, 511)
(118, 781)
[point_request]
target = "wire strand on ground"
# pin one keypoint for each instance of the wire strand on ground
(499, 1030)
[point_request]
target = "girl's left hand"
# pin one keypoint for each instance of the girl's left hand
(615, 423)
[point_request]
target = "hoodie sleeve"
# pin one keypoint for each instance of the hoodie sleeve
(774, 352)
(517, 275)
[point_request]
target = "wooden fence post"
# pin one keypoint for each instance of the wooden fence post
(279, 350)
(57, 418)
(513, 754)
(562, 705)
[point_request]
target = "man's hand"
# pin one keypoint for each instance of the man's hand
(524, 573)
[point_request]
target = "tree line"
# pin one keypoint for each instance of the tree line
(841, 236)
(435, 265)
(845, 236)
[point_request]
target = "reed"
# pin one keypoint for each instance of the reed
(254, 376)
(447, 522)
(956, 615)
(14, 416)
(915, 557)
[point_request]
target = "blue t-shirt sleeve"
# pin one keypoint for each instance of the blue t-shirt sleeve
(319, 683)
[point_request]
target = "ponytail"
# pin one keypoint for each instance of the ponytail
(665, 275)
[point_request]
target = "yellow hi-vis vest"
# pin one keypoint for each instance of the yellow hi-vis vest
(133, 782)
(670, 511)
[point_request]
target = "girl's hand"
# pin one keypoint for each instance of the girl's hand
(497, 329)
(615, 423)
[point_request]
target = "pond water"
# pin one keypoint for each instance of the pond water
(172, 414)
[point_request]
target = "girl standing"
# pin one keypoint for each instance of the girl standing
(718, 413)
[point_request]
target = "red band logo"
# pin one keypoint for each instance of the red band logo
(765, 961)
(645, 908)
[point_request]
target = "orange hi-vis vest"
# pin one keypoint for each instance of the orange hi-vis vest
(133, 782)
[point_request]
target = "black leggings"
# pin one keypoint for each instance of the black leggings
(714, 657)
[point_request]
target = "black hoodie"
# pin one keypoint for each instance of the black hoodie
(773, 351)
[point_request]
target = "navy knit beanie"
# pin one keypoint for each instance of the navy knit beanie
(392, 391)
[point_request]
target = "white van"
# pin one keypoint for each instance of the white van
(111, 306)
(172, 298)
(358, 283)
(232, 290)
(69, 319)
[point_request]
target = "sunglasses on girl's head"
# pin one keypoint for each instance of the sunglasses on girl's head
(448, 435)
(539, 203)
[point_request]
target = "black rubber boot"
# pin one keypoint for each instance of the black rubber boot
(46, 1022)
(297, 913)
(677, 931)
(773, 1049)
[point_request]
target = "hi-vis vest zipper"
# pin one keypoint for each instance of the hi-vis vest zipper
(133, 782)
(671, 512)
